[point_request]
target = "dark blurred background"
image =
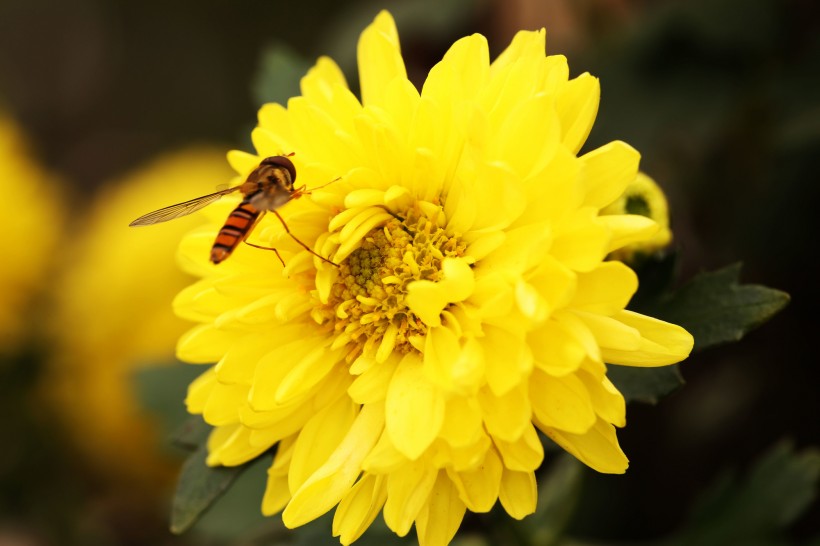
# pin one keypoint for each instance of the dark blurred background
(721, 97)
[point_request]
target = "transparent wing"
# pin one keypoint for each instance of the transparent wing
(181, 209)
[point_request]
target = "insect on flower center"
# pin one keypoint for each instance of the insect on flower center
(367, 302)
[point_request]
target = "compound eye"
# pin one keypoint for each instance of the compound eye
(282, 161)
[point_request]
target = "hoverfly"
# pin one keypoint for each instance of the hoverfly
(268, 187)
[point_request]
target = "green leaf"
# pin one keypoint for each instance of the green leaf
(236, 517)
(192, 434)
(715, 309)
(779, 488)
(278, 76)
(645, 384)
(656, 275)
(198, 488)
(160, 390)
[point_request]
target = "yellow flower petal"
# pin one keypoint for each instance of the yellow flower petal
(529, 136)
(597, 448)
(606, 289)
(561, 402)
(235, 450)
(479, 488)
(611, 333)
(607, 171)
(582, 243)
(465, 458)
(273, 117)
(306, 373)
(267, 428)
(492, 199)
(379, 58)
(277, 492)
(607, 401)
(407, 491)
(554, 193)
(341, 153)
(462, 422)
(661, 343)
(530, 302)
(384, 457)
(493, 295)
(580, 333)
(577, 105)
(555, 349)
(451, 366)
(219, 436)
(359, 508)
(440, 518)
(521, 250)
(525, 454)
(507, 416)
(627, 229)
(371, 385)
(414, 409)
(199, 391)
(318, 439)
(333, 479)
(321, 80)
(518, 493)
(556, 284)
(507, 359)
(222, 407)
(277, 495)
(204, 344)
(441, 352)
(460, 74)
(238, 365)
(270, 373)
(354, 238)
(525, 44)
(243, 162)
(427, 299)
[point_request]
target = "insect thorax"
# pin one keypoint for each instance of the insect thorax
(269, 187)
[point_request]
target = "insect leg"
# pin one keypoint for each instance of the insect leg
(292, 236)
(254, 245)
(266, 248)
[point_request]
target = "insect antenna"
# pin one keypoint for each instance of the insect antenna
(304, 191)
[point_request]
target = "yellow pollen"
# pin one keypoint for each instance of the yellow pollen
(366, 304)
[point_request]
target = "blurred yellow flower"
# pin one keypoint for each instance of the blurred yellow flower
(31, 218)
(643, 196)
(472, 306)
(113, 315)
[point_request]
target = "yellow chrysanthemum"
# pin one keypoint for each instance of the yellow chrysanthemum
(643, 196)
(112, 314)
(31, 218)
(471, 308)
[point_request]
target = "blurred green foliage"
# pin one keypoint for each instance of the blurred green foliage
(757, 509)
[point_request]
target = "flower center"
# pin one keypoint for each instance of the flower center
(367, 302)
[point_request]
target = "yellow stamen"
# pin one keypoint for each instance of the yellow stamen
(367, 302)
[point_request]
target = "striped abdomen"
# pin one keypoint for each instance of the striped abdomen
(236, 228)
